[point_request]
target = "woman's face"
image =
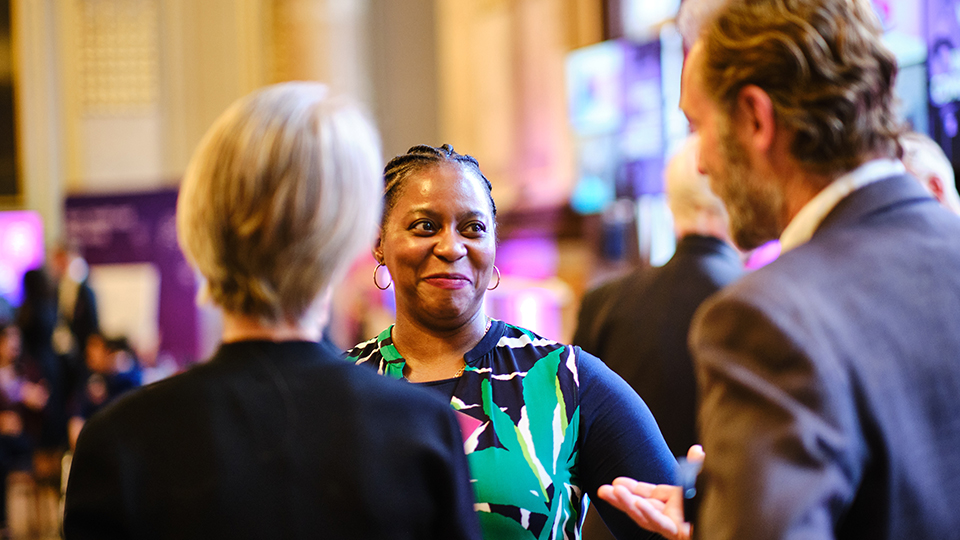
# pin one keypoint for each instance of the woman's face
(439, 244)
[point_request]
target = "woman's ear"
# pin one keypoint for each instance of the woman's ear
(378, 251)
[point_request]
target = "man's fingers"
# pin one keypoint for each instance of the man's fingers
(664, 492)
(650, 512)
(642, 489)
(644, 511)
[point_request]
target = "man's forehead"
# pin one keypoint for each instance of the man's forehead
(690, 76)
(692, 63)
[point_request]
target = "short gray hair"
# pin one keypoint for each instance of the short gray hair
(694, 16)
(688, 190)
(281, 195)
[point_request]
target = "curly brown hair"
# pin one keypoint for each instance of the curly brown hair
(824, 67)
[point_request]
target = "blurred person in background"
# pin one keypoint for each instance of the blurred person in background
(828, 379)
(544, 423)
(77, 315)
(76, 302)
(112, 370)
(926, 161)
(157, 365)
(275, 436)
(642, 332)
(16, 393)
(45, 422)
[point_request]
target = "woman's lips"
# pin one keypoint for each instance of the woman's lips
(448, 281)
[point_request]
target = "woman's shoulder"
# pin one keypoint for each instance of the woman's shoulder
(518, 337)
(370, 350)
(521, 348)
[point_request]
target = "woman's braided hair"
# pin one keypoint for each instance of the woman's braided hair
(422, 157)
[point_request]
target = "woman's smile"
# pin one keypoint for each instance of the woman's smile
(448, 281)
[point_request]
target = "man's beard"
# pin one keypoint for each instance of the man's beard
(755, 204)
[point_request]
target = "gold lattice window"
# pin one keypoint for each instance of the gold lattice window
(118, 55)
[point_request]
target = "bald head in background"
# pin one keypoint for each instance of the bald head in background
(694, 15)
(926, 161)
(695, 209)
(639, 325)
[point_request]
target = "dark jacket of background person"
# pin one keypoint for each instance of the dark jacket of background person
(272, 440)
(83, 323)
(77, 320)
(643, 335)
(639, 324)
(76, 301)
(37, 318)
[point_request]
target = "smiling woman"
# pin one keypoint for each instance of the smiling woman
(543, 423)
(439, 243)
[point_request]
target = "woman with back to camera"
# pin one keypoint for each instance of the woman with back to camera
(544, 423)
(275, 436)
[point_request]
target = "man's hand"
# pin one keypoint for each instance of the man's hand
(657, 508)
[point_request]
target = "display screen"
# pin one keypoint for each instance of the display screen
(21, 249)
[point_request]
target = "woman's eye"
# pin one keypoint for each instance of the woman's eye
(476, 227)
(424, 227)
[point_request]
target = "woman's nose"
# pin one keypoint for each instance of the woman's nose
(450, 246)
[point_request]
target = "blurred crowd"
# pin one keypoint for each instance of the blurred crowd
(57, 369)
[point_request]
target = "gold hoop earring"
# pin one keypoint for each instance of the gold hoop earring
(375, 283)
(497, 270)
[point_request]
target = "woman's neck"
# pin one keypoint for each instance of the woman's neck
(432, 354)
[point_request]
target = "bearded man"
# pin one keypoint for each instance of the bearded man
(829, 380)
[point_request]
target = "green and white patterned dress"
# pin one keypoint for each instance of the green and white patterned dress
(519, 405)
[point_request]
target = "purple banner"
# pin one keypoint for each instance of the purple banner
(141, 228)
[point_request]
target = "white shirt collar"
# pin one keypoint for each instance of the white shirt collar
(808, 219)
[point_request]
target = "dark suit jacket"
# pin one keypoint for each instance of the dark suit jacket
(644, 319)
(830, 380)
(638, 325)
(85, 320)
(272, 440)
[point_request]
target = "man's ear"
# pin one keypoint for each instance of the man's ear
(755, 115)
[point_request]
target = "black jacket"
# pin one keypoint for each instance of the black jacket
(272, 440)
